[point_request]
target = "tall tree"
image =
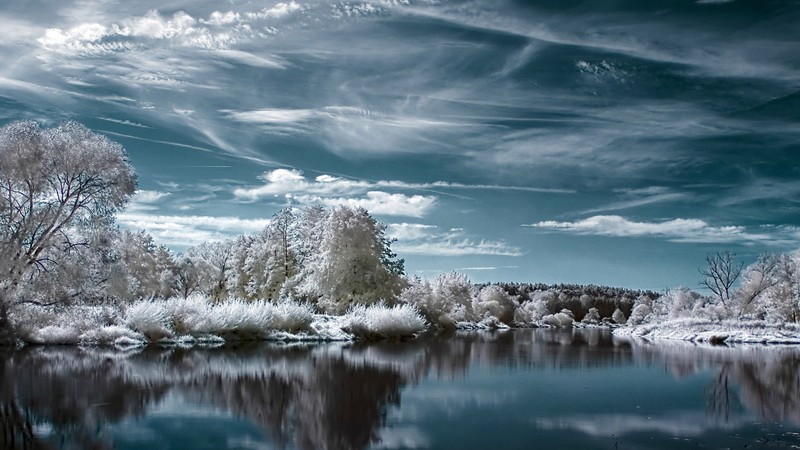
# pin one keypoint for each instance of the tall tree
(51, 179)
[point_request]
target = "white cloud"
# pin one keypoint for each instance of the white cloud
(145, 196)
(458, 248)
(378, 202)
(292, 181)
(421, 239)
(182, 231)
(676, 230)
(633, 198)
(409, 231)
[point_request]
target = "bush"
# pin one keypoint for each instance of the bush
(382, 322)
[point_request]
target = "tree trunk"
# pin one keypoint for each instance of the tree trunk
(7, 335)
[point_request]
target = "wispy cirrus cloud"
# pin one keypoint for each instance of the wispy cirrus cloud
(430, 240)
(675, 230)
(634, 198)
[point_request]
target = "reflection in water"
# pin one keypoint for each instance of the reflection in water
(337, 396)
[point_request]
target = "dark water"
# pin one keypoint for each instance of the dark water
(519, 389)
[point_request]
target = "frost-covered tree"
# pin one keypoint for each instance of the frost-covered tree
(782, 300)
(217, 259)
(144, 268)
(348, 267)
(756, 280)
(272, 258)
(51, 179)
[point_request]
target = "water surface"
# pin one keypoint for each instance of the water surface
(516, 389)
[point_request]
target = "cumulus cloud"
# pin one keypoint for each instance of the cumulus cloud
(675, 230)
(378, 202)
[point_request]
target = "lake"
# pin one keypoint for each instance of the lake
(516, 389)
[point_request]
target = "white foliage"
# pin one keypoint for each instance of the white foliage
(641, 313)
(149, 317)
(381, 321)
(563, 319)
(494, 301)
(593, 316)
(618, 316)
(444, 301)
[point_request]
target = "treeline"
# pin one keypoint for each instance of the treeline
(579, 299)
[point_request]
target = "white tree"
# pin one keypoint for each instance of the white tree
(782, 300)
(272, 258)
(217, 262)
(51, 179)
(144, 269)
(348, 268)
(758, 278)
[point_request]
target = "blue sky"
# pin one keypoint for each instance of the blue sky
(609, 142)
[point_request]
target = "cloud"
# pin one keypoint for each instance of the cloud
(421, 239)
(184, 231)
(634, 198)
(292, 181)
(675, 230)
(377, 202)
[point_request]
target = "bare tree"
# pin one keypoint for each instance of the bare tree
(721, 274)
(51, 179)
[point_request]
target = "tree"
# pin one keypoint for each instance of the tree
(348, 266)
(756, 280)
(272, 258)
(51, 179)
(721, 274)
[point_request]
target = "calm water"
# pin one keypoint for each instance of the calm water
(518, 389)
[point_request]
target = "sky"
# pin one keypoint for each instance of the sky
(614, 142)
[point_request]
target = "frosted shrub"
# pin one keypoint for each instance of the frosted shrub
(563, 319)
(240, 319)
(444, 301)
(619, 316)
(382, 322)
(680, 302)
(149, 317)
(60, 325)
(531, 312)
(641, 313)
(190, 315)
(292, 316)
(592, 316)
(494, 301)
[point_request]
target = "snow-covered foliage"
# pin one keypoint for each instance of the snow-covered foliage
(493, 301)
(384, 322)
(53, 180)
(717, 331)
(593, 316)
(563, 319)
(641, 314)
(444, 301)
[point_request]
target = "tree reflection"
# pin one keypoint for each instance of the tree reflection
(335, 396)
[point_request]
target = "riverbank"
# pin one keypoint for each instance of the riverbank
(716, 331)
